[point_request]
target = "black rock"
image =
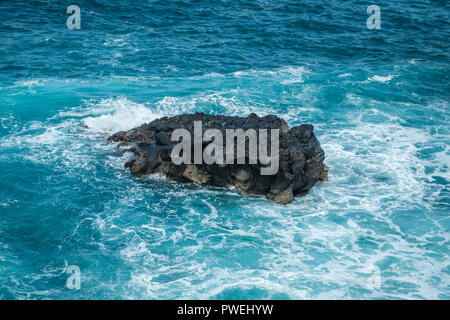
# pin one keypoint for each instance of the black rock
(300, 155)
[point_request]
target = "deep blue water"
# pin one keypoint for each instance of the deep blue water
(379, 101)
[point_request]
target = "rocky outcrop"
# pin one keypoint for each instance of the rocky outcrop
(300, 155)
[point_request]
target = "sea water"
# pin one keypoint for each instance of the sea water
(378, 100)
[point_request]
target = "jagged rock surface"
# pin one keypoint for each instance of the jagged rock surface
(300, 155)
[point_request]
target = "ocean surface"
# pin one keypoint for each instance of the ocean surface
(378, 99)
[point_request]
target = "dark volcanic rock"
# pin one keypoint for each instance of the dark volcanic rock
(300, 155)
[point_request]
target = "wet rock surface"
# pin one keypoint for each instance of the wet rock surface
(301, 158)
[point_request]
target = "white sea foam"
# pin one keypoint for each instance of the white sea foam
(286, 75)
(223, 102)
(382, 79)
(117, 114)
(210, 75)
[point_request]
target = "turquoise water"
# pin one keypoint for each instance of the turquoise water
(379, 101)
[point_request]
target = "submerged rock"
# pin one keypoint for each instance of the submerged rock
(299, 163)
